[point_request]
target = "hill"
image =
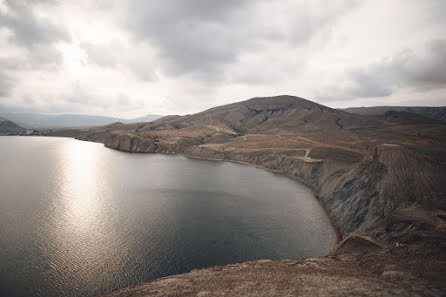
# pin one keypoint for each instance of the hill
(45, 121)
(10, 128)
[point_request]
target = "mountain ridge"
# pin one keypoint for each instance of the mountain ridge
(46, 121)
(430, 112)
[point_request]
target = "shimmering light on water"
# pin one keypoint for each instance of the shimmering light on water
(78, 219)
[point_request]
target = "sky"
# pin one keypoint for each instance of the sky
(137, 57)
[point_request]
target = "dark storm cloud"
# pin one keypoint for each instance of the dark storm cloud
(420, 72)
(27, 29)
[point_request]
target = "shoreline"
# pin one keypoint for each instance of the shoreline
(333, 223)
(296, 178)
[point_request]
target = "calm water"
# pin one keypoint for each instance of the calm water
(78, 219)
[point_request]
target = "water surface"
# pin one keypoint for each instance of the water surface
(78, 219)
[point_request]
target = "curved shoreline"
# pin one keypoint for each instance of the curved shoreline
(333, 223)
(296, 178)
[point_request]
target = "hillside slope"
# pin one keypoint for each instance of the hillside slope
(433, 113)
(10, 128)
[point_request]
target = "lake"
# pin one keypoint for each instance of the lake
(79, 219)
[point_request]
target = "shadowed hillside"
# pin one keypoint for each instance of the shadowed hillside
(434, 113)
(10, 128)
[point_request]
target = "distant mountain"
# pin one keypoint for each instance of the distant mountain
(147, 118)
(10, 128)
(433, 113)
(44, 121)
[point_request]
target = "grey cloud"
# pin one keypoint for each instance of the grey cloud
(123, 100)
(44, 55)
(307, 21)
(111, 56)
(35, 35)
(142, 69)
(404, 70)
(80, 95)
(28, 100)
(13, 63)
(29, 30)
(192, 36)
(201, 37)
(100, 55)
(6, 84)
(429, 71)
(39, 57)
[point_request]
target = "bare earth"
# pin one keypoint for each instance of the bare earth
(324, 276)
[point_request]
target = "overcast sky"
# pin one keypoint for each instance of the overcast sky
(131, 58)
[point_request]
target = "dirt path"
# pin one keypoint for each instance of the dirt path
(301, 138)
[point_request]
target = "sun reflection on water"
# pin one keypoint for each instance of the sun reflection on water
(78, 245)
(82, 185)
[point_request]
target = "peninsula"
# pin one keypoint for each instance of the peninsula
(380, 178)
